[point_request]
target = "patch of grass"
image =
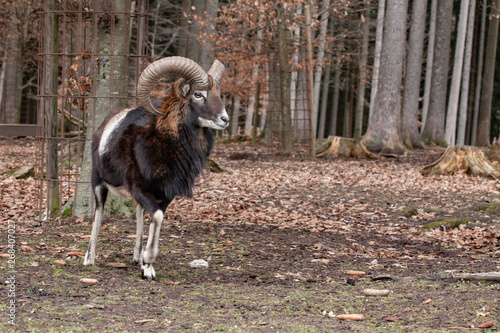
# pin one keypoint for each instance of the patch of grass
(492, 207)
(449, 223)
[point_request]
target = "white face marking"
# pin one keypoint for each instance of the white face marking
(109, 129)
(218, 124)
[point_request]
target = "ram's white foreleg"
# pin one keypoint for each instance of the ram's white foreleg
(151, 251)
(91, 252)
(139, 213)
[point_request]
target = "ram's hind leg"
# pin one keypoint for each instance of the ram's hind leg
(139, 212)
(100, 193)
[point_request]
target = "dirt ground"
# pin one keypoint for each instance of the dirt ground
(281, 236)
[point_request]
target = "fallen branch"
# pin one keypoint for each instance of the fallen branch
(445, 275)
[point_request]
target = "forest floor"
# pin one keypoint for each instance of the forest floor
(281, 236)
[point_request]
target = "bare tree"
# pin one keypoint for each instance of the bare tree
(484, 120)
(428, 63)
(451, 114)
(360, 103)
(320, 55)
(434, 125)
(378, 49)
(413, 77)
(464, 91)
(383, 134)
(479, 77)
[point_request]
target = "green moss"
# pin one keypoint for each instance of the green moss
(67, 212)
(449, 223)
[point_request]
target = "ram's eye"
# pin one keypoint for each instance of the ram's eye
(198, 95)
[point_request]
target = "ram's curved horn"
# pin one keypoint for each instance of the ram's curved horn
(170, 66)
(217, 71)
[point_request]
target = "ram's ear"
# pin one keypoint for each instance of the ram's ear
(186, 88)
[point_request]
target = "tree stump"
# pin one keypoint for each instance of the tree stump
(472, 160)
(336, 146)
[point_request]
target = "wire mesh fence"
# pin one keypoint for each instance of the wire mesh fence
(91, 54)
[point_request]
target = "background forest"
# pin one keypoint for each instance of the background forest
(400, 73)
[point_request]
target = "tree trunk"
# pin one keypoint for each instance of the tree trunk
(360, 104)
(320, 54)
(193, 50)
(470, 159)
(324, 103)
(184, 36)
(335, 100)
(479, 77)
(383, 134)
(13, 64)
(428, 64)
(464, 92)
(409, 126)
(286, 134)
(434, 124)
(451, 114)
(378, 49)
(110, 86)
(50, 84)
(484, 120)
(206, 56)
(249, 120)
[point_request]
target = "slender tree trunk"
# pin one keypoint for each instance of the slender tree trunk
(324, 102)
(286, 134)
(435, 121)
(360, 103)
(479, 76)
(484, 120)
(320, 55)
(249, 120)
(294, 74)
(378, 50)
(13, 64)
(210, 14)
(464, 92)
(384, 127)
(193, 50)
(50, 104)
(335, 100)
(347, 121)
(413, 77)
(235, 114)
(428, 64)
(184, 36)
(451, 114)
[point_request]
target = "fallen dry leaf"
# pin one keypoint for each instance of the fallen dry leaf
(355, 273)
(60, 262)
(427, 301)
(355, 317)
(391, 319)
(75, 254)
(4, 255)
(486, 324)
(88, 281)
(117, 264)
(376, 292)
(27, 248)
